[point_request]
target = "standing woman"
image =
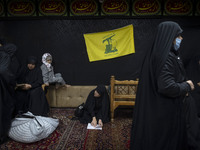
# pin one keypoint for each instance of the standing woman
(30, 96)
(7, 84)
(159, 121)
(97, 107)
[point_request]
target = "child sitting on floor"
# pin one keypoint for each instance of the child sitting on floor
(48, 73)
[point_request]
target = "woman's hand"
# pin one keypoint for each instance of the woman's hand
(191, 84)
(27, 86)
(100, 122)
(94, 122)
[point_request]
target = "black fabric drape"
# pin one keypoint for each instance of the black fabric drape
(98, 107)
(193, 73)
(192, 123)
(159, 117)
(4, 60)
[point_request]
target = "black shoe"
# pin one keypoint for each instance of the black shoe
(74, 118)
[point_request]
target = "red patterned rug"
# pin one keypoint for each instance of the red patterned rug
(71, 134)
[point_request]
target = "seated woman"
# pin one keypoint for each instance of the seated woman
(48, 73)
(97, 107)
(30, 95)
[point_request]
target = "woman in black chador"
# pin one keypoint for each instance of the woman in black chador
(162, 115)
(97, 107)
(7, 83)
(30, 95)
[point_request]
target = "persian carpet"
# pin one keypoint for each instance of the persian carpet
(72, 135)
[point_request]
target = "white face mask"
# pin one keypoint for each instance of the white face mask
(177, 44)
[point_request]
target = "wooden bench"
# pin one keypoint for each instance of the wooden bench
(122, 93)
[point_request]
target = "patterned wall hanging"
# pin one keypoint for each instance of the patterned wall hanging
(115, 7)
(197, 12)
(21, 8)
(2, 10)
(84, 8)
(146, 8)
(178, 7)
(52, 8)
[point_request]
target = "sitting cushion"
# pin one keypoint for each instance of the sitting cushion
(32, 128)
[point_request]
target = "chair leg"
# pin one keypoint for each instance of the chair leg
(112, 115)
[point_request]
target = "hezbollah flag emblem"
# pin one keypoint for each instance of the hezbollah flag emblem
(110, 44)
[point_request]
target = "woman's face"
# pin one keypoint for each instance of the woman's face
(49, 61)
(180, 37)
(96, 94)
(31, 66)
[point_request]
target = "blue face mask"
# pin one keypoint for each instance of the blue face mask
(177, 44)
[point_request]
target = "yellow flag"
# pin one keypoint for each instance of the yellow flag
(110, 44)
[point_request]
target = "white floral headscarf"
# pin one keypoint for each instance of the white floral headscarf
(44, 60)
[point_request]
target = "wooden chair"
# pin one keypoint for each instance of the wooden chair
(122, 93)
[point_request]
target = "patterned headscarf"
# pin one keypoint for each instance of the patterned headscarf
(44, 60)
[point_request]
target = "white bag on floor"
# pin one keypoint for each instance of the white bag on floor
(32, 128)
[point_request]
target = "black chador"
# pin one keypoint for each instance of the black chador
(7, 84)
(193, 73)
(98, 107)
(163, 115)
(32, 99)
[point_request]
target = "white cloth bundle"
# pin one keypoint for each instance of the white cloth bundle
(35, 128)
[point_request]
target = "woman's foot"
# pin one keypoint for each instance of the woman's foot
(66, 85)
